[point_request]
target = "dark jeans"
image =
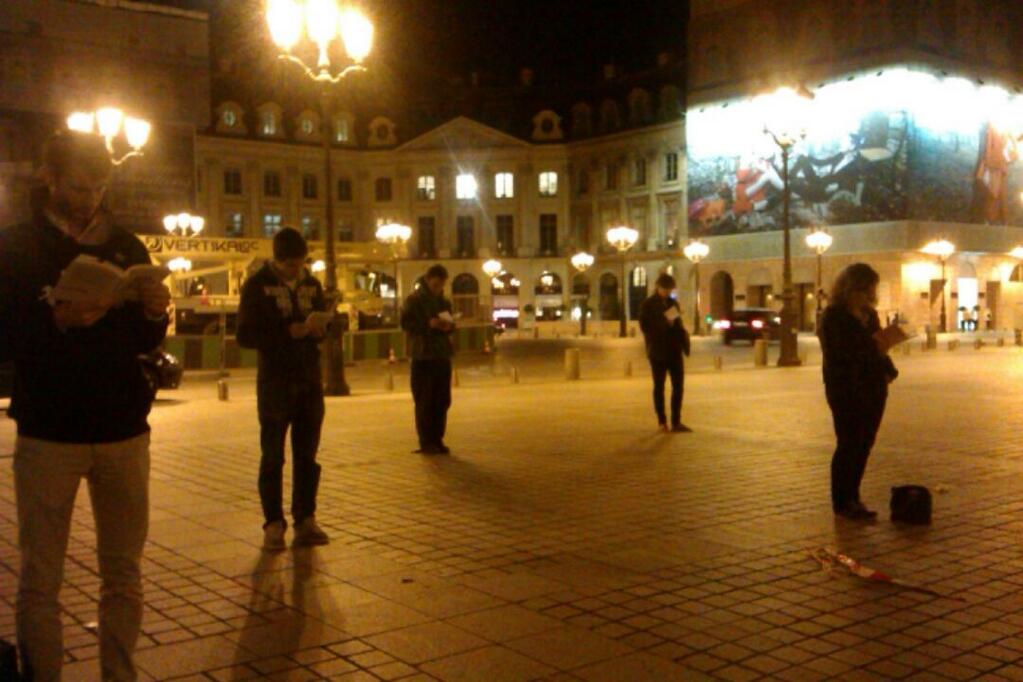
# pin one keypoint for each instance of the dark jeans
(431, 390)
(661, 369)
(299, 407)
(856, 426)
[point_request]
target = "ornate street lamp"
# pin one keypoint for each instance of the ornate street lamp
(183, 224)
(180, 266)
(819, 241)
(396, 236)
(942, 249)
(786, 115)
(622, 238)
(582, 262)
(323, 21)
(492, 268)
(109, 122)
(696, 251)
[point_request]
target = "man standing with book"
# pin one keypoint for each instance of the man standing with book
(81, 404)
(660, 318)
(282, 316)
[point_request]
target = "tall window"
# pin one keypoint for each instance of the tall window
(271, 224)
(466, 236)
(383, 189)
(345, 231)
(506, 235)
(310, 227)
(639, 172)
(309, 186)
(308, 127)
(268, 123)
(548, 234)
(426, 237)
(235, 226)
(548, 184)
(426, 188)
(271, 184)
(611, 176)
(344, 189)
(504, 185)
(466, 186)
(341, 129)
(232, 181)
(671, 166)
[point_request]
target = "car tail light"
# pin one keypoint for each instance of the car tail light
(757, 324)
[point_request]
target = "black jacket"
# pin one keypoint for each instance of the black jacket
(84, 385)
(268, 307)
(664, 341)
(426, 343)
(855, 370)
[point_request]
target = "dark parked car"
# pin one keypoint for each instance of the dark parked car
(749, 324)
(162, 370)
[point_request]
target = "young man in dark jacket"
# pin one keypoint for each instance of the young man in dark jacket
(274, 318)
(427, 319)
(81, 404)
(660, 318)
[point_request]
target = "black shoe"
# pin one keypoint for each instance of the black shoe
(856, 511)
(681, 428)
(443, 449)
(430, 450)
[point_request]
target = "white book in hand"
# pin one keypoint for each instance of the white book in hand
(672, 314)
(893, 335)
(446, 316)
(319, 320)
(88, 279)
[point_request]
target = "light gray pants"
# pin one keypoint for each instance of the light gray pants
(46, 478)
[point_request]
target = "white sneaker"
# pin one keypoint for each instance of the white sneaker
(273, 537)
(308, 532)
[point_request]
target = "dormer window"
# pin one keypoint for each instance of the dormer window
(229, 118)
(342, 129)
(308, 127)
(268, 123)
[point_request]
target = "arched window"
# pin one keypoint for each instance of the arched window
(610, 120)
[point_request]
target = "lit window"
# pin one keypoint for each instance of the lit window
(307, 126)
(466, 186)
(504, 185)
(235, 225)
(548, 184)
(341, 129)
(426, 188)
(268, 123)
(230, 118)
(271, 224)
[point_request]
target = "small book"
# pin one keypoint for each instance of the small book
(319, 320)
(672, 314)
(893, 335)
(90, 280)
(446, 316)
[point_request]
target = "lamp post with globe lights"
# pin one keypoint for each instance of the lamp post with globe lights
(820, 241)
(786, 114)
(109, 122)
(492, 268)
(582, 262)
(942, 249)
(622, 238)
(396, 236)
(696, 251)
(184, 224)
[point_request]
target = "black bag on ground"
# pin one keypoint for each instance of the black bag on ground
(8, 662)
(911, 504)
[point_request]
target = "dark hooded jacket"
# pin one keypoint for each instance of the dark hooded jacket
(664, 341)
(426, 343)
(855, 370)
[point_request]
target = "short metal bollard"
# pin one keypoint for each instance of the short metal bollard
(760, 353)
(978, 344)
(389, 381)
(932, 340)
(455, 382)
(1018, 336)
(953, 344)
(719, 362)
(222, 392)
(1001, 342)
(571, 364)
(515, 375)
(628, 368)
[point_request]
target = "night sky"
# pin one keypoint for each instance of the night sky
(557, 38)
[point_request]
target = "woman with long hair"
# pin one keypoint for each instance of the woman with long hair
(857, 371)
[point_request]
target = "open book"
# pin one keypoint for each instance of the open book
(892, 335)
(90, 280)
(319, 321)
(672, 314)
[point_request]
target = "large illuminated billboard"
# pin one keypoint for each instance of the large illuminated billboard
(893, 145)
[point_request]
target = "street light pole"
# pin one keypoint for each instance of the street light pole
(622, 238)
(820, 241)
(789, 341)
(942, 249)
(582, 262)
(696, 251)
(942, 321)
(396, 236)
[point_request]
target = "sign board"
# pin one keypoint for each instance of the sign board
(198, 247)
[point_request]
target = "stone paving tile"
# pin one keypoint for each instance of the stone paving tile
(557, 543)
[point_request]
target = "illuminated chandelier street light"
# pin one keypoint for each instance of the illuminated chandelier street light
(184, 224)
(109, 122)
(786, 115)
(622, 238)
(942, 249)
(323, 22)
(696, 251)
(492, 268)
(318, 266)
(582, 262)
(396, 236)
(819, 241)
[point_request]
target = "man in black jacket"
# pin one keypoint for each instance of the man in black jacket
(274, 318)
(81, 404)
(660, 318)
(428, 321)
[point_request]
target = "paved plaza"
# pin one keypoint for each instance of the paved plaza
(565, 539)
